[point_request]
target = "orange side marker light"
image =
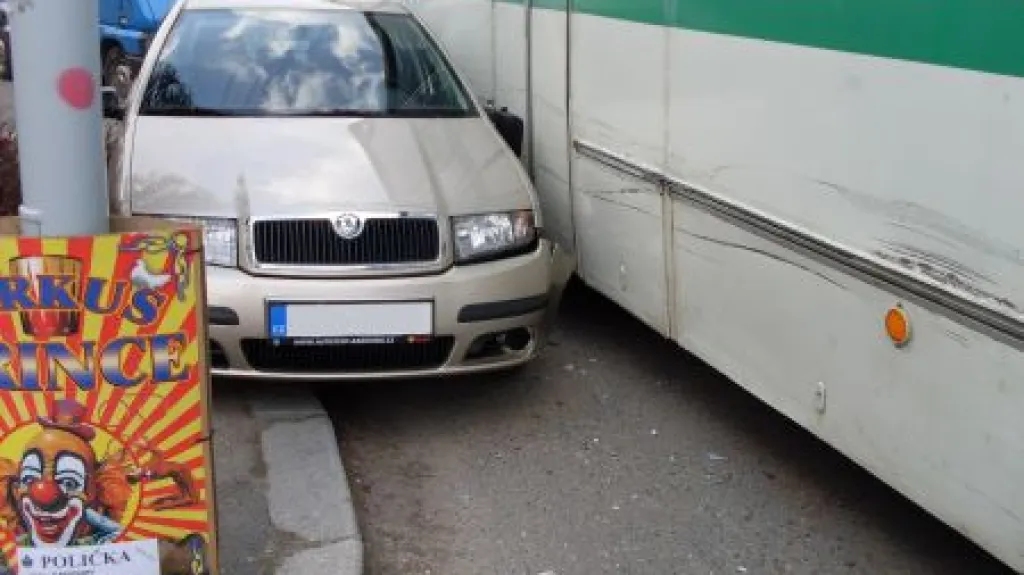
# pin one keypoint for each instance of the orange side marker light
(897, 325)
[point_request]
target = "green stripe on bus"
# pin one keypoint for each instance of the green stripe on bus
(982, 35)
(551, 4)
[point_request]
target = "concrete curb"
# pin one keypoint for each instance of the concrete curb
(308, 493)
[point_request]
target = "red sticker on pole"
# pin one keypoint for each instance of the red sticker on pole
(76, 88)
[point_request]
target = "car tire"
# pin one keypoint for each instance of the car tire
(115, 66)
(5, 58)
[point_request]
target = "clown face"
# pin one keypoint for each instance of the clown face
(54, 487)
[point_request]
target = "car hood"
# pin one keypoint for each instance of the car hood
(236, 167)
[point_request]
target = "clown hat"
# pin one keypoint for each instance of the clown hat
(68, 417)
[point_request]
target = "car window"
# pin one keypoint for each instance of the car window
(301, 62)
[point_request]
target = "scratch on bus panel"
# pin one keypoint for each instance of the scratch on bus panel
(760, 252)
(600, 132)
(943, 270)
(910, 215)
(958, 338)
(609, 197)
(931, 258)
(618, 192)
(996, 504)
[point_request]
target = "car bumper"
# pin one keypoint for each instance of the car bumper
(472, 303)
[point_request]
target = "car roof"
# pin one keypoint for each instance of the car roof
(375, 5)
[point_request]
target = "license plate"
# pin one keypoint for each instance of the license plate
(349, 321)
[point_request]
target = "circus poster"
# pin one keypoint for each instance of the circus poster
(105, 461)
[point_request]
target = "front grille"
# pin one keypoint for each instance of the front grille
(263, 355)
(313, 242)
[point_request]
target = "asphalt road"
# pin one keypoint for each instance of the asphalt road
(616, 453)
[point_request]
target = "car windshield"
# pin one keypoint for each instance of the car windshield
(301, 63)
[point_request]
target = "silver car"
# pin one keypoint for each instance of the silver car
(364, 216)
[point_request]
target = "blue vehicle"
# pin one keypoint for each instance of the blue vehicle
(5, 41)
(126, 29)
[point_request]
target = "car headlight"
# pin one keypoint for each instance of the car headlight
(487, 236)
(220, 239)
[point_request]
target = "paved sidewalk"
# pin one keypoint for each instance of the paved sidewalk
(283, 499)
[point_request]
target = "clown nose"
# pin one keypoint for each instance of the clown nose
(46, 495)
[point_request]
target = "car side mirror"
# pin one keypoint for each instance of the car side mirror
(112, 107)
(510, 126)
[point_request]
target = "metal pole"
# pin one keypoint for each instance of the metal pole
(55, 49)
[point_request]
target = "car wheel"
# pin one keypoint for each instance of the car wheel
(5, 58)
(198, 564)
(116, 71)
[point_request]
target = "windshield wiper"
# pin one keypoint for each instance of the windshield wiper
(330, 113)
(187, 111)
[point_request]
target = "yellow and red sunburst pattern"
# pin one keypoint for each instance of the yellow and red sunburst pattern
(102, 346)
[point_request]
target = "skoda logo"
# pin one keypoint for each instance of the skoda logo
(348, 226)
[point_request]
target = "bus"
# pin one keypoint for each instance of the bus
(824, 201)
